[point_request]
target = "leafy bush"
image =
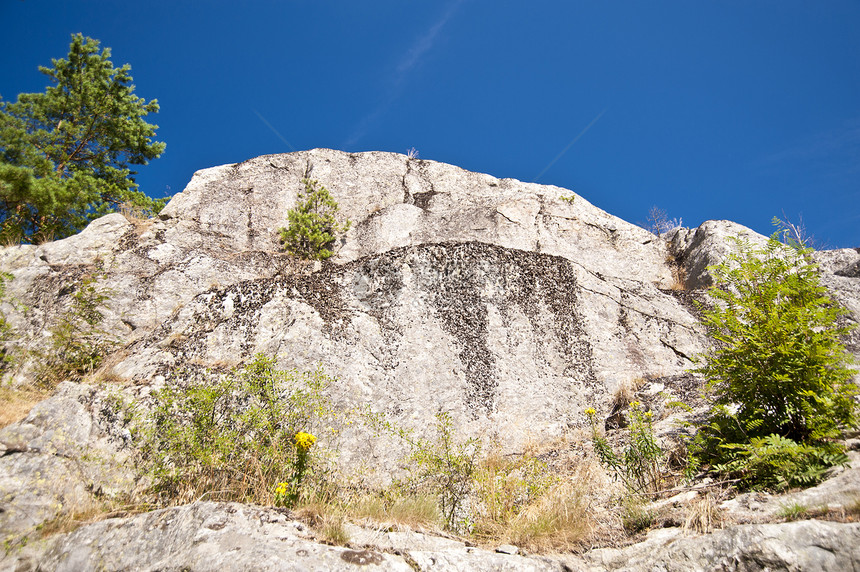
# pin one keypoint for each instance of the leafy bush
(640, 465)
(5, 327)
(78, 345)
(244, 436)
(779, 378)
(775, 462)
(444, 466)
(312, 229)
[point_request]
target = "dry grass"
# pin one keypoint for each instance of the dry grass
(636, 517)
(326, 520)
(414, 511)
(678, 274)
(626, 392)
(105, 374)
(703, 515)
(417, 511)
(174, 340)
(558, 520)
(16, 403)
(679, 278)
(852, 508)
(132, 213)
(522, 501)
(333, 531)
(82, 514)
(849, 512)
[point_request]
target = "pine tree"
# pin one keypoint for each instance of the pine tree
(65, 153)
(312, 229)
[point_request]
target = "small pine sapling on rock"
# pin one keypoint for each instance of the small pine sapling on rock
(313, 228)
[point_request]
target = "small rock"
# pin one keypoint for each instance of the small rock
(508, 549)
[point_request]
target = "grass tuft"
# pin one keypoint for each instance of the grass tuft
(703, 515)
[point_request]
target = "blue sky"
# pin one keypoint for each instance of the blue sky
(740, 110)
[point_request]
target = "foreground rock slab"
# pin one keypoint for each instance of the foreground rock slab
(809, 546)
(225, 537)
(209, 536)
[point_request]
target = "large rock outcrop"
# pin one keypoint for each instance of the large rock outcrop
(493, 299)
(511, 306)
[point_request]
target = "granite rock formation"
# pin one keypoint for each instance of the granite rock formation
(511, 306)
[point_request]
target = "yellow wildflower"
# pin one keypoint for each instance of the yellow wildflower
(281, 490)
(304, 441)
(590, 411)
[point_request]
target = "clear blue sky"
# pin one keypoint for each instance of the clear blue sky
(740, 110)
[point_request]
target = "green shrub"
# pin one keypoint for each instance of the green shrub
(779, 378)
(444, 466)
(244, 436)
(312, 229)
(77, 344)
(640, 465)
(775, 462)
(5, 328)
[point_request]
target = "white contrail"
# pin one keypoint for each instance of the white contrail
(420, 47)
(275, 131)
(569, 145)
(425, 43)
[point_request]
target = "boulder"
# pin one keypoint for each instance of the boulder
(68, 450)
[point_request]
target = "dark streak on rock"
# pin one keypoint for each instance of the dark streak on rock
(459, 281)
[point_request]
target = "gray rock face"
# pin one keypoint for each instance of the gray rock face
(66, 449)
(710, 244)
(500, 302)
(840, 277)
(492, 299)
(794, 546)
(226, 537)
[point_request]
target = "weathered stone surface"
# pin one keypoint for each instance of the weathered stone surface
(228, 536)
(225, 537)
(395, 201)
(809, 546)
(493, 300)
(68, 448)
(840, 276)
(223, 229)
